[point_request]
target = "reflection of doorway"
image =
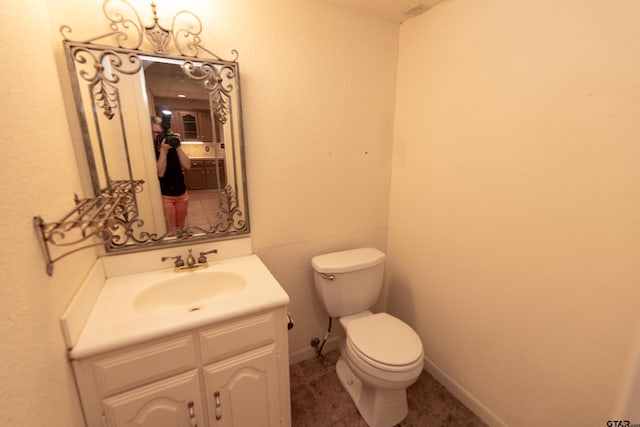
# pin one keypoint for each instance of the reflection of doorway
(203, 207)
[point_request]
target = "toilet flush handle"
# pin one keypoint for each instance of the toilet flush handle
(327, 276)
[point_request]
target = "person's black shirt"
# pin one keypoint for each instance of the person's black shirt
(172, 183)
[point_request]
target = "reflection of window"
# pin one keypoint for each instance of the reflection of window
(189, 126)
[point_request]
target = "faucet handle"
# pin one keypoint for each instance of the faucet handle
(202, 258)
(178, 260)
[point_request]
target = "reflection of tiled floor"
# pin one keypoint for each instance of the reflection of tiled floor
(318, 400)
(203, 206)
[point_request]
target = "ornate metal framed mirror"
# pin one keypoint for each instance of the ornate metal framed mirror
(138, 79)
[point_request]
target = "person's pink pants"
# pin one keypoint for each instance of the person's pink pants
(175, 210)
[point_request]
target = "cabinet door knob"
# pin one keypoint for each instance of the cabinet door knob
(216, 396)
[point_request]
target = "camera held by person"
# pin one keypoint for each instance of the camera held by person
(173, 139)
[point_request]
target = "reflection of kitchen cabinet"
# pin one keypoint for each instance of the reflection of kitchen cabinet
(193, 125)
(242, 365)
(203, 174)
(206, 127)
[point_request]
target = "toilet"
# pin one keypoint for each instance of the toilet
(381, 355)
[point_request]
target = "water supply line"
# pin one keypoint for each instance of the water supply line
(324, 340)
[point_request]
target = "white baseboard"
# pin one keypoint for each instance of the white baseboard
(463, 395)
(627, 407)
(310, 352)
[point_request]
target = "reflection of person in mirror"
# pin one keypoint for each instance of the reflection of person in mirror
(171, 160)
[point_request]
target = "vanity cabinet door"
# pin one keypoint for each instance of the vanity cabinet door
(244, 390)
(174, 402)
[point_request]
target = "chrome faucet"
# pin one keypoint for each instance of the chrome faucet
(191, 261)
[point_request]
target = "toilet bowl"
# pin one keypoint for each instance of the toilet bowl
(384, 349)
(379, 358)
(380, 355)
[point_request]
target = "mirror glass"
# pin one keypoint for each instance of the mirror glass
(162, 126)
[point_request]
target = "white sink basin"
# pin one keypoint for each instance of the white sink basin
(139, 307)
(189, 291)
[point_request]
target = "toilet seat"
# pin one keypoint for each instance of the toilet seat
(384, 342)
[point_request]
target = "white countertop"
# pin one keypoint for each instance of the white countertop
(206, 157)
(114, 322)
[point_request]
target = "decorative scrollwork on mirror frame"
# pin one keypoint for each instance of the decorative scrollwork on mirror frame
(129, 33)
(100, 63)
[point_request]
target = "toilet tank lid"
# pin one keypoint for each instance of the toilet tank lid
(349, 260)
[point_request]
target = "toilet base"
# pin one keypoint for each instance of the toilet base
(378, 407)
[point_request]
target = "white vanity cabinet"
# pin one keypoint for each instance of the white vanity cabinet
(166, 403)
(233, 373)
(241, 368)
(244, 391)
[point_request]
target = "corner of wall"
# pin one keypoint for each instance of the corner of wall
(76, 314)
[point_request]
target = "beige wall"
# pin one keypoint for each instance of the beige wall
(38, 176)
(514, 233)
(318, 86)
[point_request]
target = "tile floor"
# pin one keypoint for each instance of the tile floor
(318, 400)
(203, 207)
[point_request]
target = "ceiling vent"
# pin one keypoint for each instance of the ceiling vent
(415, 10)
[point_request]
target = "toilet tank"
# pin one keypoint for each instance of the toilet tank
(348, 282)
